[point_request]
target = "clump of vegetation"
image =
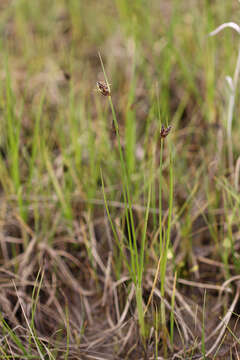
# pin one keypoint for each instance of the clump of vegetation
(119, 213)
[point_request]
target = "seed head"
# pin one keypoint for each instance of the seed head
(103, 88)
(165, 131)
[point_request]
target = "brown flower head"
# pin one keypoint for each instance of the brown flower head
(165, 131)
(103, 88)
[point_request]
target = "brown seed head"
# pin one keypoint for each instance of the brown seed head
(165, 131)
(103, 88)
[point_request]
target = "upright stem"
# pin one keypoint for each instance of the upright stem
(230, 114)
(160, 199)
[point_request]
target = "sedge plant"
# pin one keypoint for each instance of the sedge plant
(137, 263)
